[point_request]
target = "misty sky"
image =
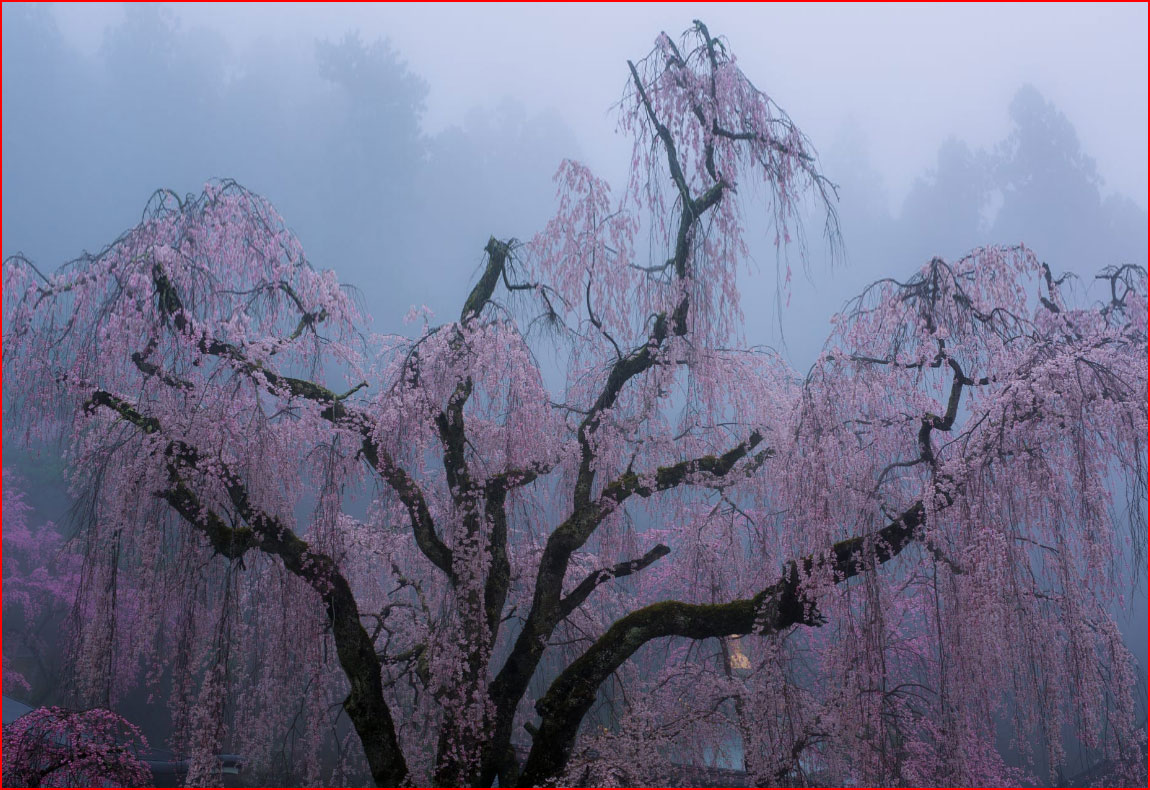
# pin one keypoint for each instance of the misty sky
(904, 77)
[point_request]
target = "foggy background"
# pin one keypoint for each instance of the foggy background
(394, 140)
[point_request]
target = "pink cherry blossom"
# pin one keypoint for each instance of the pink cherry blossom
(54, 747)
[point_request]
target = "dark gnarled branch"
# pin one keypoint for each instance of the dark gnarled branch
(574, 599)
(777, 607)
(365, 704)
(336, 411)
(548, 608)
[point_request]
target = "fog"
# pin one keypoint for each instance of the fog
(395, 140)
(906, 76)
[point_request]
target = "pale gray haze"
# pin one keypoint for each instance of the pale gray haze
(910, 107)
(905, 76)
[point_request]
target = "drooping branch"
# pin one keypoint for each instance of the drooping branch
(714, 468)
(149, 369)
(228, 541)
(336, 411)
(777, 607)
(1126, 275)
(511, 681)
(548, 609)
(643, 357)
(517, 478)
(665, 137)
(932, 422)
(423, 527)
(574, 599)
(545, 613)
(365, 704)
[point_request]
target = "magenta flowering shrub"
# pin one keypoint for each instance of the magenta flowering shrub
(54, 747)
(41, 575)
(912, 543)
